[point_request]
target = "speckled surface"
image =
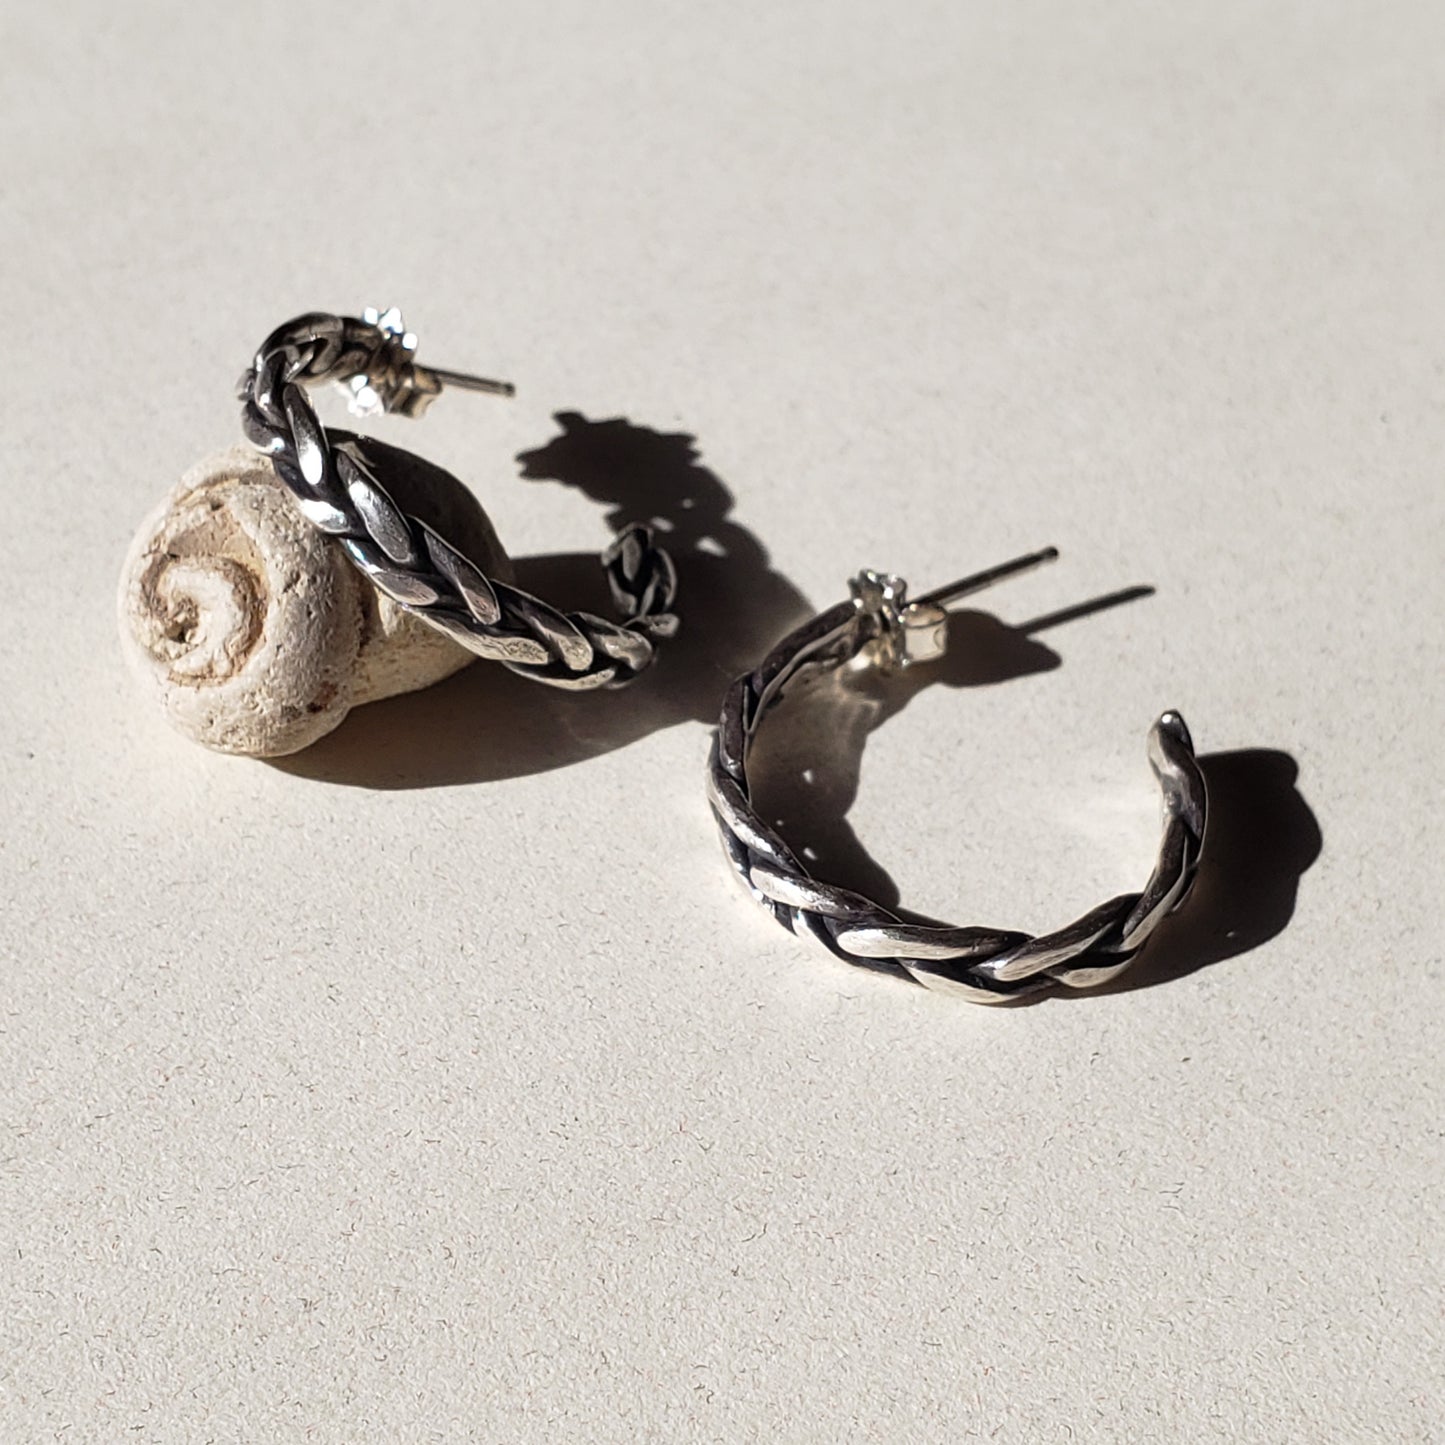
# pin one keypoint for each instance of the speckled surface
(438, 1085)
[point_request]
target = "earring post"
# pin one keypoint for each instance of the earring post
(463, 381)
(942, 596)
(466, 382)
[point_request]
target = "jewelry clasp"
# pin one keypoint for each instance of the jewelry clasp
(394, 382)
(904, 632)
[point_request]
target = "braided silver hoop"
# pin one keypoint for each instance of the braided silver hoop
(338, 491)
(985, 965)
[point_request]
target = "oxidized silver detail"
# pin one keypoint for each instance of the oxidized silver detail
(337, 490)
(981, 964)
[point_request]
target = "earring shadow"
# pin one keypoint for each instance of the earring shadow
(1261, 838)
(807, 763)
(485, 723)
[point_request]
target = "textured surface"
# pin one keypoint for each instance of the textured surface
(252, 631)
(337, 489)
(442, 1085)
(973, 961)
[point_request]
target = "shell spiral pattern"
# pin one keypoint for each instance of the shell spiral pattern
(238, 616)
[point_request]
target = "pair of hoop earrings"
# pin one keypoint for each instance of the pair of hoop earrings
(338, 490)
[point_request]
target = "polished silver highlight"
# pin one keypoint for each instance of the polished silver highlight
(880, 625)
(338, 491)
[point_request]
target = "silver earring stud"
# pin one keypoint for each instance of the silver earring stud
(339, 491)
(882, 627)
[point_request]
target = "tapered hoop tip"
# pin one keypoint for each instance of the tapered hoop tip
(1172, 724)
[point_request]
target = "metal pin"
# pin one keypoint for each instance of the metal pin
(942, 596)
(465, 382)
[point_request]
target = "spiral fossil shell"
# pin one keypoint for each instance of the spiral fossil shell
(253, 631)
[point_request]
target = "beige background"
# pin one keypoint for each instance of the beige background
(438, 1086)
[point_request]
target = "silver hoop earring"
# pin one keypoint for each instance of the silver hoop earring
(982, 964)
(339, 492)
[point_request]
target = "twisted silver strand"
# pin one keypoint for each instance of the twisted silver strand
(339, 493)
(985, 965)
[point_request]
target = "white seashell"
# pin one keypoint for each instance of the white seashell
(254, 632)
